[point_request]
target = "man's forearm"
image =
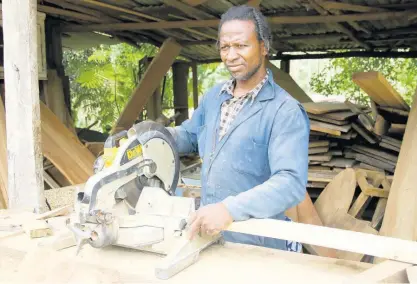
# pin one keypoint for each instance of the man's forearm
(183, 139)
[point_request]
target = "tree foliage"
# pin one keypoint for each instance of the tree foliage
(102, 80)
(336, 78)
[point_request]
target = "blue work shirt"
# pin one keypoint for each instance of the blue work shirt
(259, 168)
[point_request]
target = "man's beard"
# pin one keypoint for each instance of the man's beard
(248, 75)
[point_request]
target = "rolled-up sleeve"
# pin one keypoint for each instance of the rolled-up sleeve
(288, 161)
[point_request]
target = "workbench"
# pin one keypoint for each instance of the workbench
(228, 263)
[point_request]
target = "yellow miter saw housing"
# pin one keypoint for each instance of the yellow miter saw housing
(130, 200)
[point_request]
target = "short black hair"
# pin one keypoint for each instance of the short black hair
(248, 13)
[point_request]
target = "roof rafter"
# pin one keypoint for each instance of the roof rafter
(272, 20)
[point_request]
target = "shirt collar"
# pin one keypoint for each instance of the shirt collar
(229, 86)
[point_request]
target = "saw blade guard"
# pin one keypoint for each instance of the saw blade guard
(159, 146)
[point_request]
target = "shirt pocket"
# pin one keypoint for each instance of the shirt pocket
(252, 159)
(201, 140)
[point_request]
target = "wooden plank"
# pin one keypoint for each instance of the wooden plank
(363, 243)
(396, 111)
(341, 128)
(361, 153)
(396, 129)
(362, 132)
(400, 215)
(150, 81)
(49, 180)
(324, 107)
(62, 211)
(319, 158)
(337, 196)
(285, 81)
(379, 89)
(359, 205)
(64, 149)
(389, 147)
(374, 162)
(392, 141)
(339, 115)
(345, 221)
(384, 272)
(331, 5)
(25, 183)
(215, 22)
(321, 176)
(307, 214)
(320, 143)
(379, 212)
(381, 126)
(374, 152)
(340, 163)
(318, 150)
(325, 128)
(3, 158)
(328, 120)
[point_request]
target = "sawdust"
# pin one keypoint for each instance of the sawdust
(59, 197)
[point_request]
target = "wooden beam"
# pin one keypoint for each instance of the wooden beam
(316, 5)
(25, 182)
(138, 14)
(194, 2)
(150, 81)
(188, 9)
(3, 158)
(331, 5)
(401, 213)
(357, 242)
(379, 89)
(380, 16)
(285, 81)
(71, 14)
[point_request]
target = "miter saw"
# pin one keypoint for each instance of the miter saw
(130, 200)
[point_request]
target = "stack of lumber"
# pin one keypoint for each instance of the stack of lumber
(346, 135)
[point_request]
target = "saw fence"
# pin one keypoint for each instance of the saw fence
(357, 221)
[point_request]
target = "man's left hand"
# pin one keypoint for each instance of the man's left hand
(210, 219)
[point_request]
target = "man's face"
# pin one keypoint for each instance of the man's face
(240, 49)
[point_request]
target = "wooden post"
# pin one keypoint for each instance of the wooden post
(401, 211)
(154, 106)
(195, 84)
(3, 158)
(180, 76)
(148, 84)
(25, 181)
(285, 66)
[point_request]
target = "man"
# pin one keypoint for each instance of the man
(251, 135)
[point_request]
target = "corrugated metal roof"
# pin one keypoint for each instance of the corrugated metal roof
(318, 36)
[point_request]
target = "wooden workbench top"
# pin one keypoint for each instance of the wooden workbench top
(231, 263)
